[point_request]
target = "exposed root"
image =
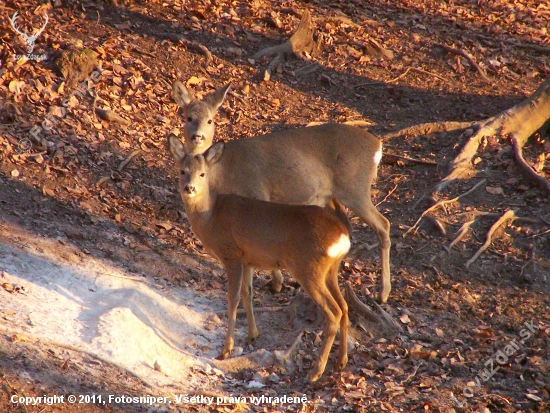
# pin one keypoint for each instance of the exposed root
(189, 44)
(428, 128)
(128, 159)
(441, 203)
(508, 215)
(468, 57)
(382, 318)
(301, 42)
(461, 233)
(520, 122)
(527, 170)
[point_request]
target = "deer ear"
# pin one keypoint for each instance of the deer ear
(216, 98)
(181, 95)
(176, 147)
(214, 153)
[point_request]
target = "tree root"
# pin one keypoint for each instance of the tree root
(189, 44)
(529, 172)
(301, 42)
(520, 122)
(507, 216)
(441, 203)
(384, 319)
(468, 57)
(428, 128)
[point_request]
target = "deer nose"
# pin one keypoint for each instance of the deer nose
(190, 189)
(197, 138)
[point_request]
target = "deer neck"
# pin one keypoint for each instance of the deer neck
(199, 210)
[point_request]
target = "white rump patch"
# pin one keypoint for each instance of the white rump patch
(340, 248)
(378, 156)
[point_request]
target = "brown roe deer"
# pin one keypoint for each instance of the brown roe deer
(306, 166)
(309, 241)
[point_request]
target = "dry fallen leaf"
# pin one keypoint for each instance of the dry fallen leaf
(495, 190)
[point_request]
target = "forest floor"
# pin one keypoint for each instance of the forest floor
(104, 290)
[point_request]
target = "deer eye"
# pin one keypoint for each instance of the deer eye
(189, 119)
(182, 172)
(202, 175)
(210, 121)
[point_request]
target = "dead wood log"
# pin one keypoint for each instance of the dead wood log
(302, 42)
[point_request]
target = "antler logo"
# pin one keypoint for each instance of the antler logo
(30, 40)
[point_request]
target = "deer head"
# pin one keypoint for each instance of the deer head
(28, 39)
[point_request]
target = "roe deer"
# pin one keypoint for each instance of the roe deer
(298, 166)
(309, 241)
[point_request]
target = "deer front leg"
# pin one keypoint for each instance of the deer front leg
(247, 295)
(234, 270)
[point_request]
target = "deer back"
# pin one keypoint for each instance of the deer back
(300, 166)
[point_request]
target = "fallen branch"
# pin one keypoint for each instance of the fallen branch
(508, 215)
(443, 202)
(529, 172)
(468, 57)
(428, 128)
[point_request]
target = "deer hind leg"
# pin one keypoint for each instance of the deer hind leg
(234, 269)
(276, 281)
(332, 284)
(247, 295)
(381, 227)
(316, 288)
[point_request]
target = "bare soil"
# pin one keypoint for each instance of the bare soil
(87, 200)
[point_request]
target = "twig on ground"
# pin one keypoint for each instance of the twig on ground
(387, 196)
(468, 57)
(364, 246)
(387, 158)
(416, 69)
(508, 215)
(443, 202)
(241, 311)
